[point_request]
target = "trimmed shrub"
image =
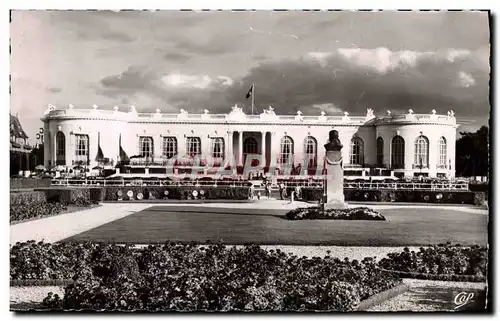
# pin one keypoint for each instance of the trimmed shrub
(29, 183)
(74, 195)
(26, 197)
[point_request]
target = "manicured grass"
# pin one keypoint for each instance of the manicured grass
(404, 226)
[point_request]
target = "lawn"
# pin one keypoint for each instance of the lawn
(404, 226)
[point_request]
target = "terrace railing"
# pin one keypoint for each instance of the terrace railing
(318, 184)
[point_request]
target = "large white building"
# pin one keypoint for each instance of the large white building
(409, 144)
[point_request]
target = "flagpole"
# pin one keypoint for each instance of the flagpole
(253, 96)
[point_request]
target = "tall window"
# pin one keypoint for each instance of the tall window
(193, 145)
(421, 152)
(249, 147)
(82, 148)
(311, 148)
(380, 151)
(218, 147)
(60, 148)
(357, 151)
(286, 149)
(442, 151)
(398, 152)
(169, 147)
(146, 146)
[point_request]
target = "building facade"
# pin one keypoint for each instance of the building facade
(409, 144)
(20, 150)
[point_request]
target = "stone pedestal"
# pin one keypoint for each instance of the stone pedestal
(334, 182)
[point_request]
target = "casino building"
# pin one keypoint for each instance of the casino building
(406, 144)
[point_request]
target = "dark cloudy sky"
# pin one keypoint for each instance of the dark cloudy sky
(331, 61)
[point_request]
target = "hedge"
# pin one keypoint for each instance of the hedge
(189, 277)
(437, 197)
(26, 197)
(71, 195)
(177, 192)
(29, 183)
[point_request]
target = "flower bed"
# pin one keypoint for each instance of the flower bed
(34, 204)
(29, 210)
(188, 277)
(441, 262)
(315, 213)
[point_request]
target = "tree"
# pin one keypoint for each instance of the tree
(472, 153)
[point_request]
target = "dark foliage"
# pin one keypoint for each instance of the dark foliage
(189, 277)
(36, 209)
(472, 153)
(315, 213)
(438, 197)
(440, 259)
(25, 183)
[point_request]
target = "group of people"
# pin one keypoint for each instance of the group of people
(282, 191)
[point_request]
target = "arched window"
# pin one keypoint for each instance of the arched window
(286, 150)
(169, 147)
(146, 146)
(82, 148)
(249, 146)
(380, 151)
(311, 151)
(218, 147)
(357, 151)
(193, 146)
(442, 152)
(398, 152)
(421, 159)
(60, 148)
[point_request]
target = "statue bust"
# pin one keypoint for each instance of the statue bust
(333, 149)
(333, 142)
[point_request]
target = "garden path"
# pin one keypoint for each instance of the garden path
(59, 227)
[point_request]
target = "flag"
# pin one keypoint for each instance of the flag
(100, 156)
(250, 92)
(123, 155)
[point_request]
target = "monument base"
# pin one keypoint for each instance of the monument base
(334, 205)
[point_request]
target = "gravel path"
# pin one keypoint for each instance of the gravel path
(430, 296)
(351, 252)
(30, 297)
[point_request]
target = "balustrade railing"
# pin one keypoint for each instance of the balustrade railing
(125, 115)
(319, 184)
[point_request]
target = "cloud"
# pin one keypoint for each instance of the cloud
(186, 81)
(465, 79)
(344, 80)
(179, 57)
(327, 108)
